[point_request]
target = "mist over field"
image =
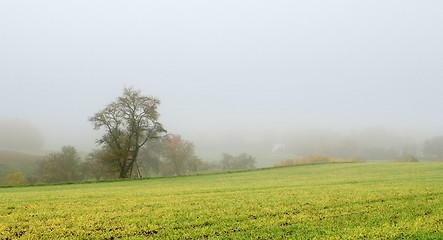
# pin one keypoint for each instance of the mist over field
(249, 119)
(276, 80)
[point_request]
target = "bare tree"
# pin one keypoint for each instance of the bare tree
(129, 122)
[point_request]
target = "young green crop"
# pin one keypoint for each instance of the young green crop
(333, 201)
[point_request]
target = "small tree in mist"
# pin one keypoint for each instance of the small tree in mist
(170, 155)
(129, 122)
(99, 165)
(151, 157)
(179, 156)
(242, 161)
(60, 166)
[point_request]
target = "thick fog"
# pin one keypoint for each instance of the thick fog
(232, 76)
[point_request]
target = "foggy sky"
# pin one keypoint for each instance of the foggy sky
(220, 66)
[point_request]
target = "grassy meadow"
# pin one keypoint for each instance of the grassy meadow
(328, 201)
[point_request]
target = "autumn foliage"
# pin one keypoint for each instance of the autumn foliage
(13, 179)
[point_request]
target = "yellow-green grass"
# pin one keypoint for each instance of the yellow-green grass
(331, 201)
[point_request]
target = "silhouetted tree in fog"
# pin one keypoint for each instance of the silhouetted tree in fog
(60, 166)
(99, 164)
(176, 154)
(151, 158)
(129, 122)
(170, 155)
(242, 161)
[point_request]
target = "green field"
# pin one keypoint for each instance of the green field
(331, 201)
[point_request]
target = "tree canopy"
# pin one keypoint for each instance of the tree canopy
(129, 123)
(60, 166)
(242, 161)
(171, 155)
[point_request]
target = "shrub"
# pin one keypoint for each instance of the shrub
(405, 158)
(13, 179)
(317, 159)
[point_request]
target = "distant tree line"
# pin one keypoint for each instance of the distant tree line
(375, 143)
(134, 144)
(169, 156)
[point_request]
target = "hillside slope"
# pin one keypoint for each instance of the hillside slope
(12, 161)
(13, 157)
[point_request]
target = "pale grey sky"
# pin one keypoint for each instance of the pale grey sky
(219, 65)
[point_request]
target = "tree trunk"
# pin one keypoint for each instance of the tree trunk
(123, 171)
